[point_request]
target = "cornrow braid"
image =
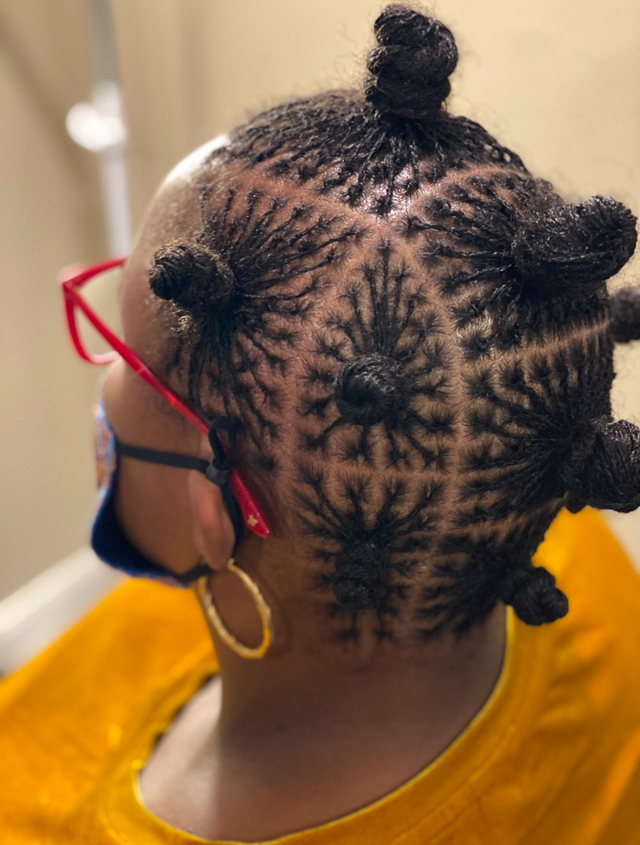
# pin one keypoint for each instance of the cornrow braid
(416, 334)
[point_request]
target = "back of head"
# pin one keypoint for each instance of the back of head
(415, 336)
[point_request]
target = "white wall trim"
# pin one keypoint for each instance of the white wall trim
(37, 613)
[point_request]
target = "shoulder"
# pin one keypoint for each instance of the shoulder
(64, 714)
(591, 684)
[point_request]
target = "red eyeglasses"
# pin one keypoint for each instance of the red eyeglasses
(72, 281)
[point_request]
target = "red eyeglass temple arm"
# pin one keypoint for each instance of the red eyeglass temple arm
(252, 514)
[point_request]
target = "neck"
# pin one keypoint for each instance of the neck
(332, 730)
(420, 697)
(317, 729)
(316, 686)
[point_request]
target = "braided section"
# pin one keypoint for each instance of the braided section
(532, 592)
(194, 277)
(604, 469)
(571, 246)
(409, 69)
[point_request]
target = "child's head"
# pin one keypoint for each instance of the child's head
(414, 335)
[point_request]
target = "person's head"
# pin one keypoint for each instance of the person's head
(414, 336)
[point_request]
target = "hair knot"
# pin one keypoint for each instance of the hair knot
(371, 389)
(625, 315)
(572, 246)
(194, 277)
(603, 469)
(353, 593)
(409, 69)
(357, 584)
(532, 593)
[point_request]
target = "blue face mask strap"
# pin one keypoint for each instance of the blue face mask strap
(217, 471)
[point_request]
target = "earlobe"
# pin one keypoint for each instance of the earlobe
(213, 533)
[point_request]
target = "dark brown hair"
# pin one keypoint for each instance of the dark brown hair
(445, 332)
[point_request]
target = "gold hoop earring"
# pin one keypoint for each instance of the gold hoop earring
(204, 592)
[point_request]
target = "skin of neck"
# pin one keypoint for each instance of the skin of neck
(317, 729)
(411, 699)
(308, 671)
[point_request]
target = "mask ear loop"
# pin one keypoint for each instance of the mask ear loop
(220, 467)
(216, 470)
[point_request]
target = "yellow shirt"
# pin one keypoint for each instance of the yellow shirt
(553, 757)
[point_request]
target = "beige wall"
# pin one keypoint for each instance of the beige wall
(558, 80)
(49, 217)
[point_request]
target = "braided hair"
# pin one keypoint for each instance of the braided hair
(416, 337)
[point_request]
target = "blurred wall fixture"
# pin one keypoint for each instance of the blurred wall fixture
(99, 127)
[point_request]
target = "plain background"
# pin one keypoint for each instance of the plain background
(556, 80)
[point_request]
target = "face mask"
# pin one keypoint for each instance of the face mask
(107, 538)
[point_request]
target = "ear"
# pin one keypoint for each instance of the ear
(213, 533)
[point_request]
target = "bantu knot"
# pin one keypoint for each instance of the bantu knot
(371, 389)
(570, 246)
(409, 69)
(353, 593)
(356, 583)
(604, 468)
(625, 315)
(532, 593)
(194, 277)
